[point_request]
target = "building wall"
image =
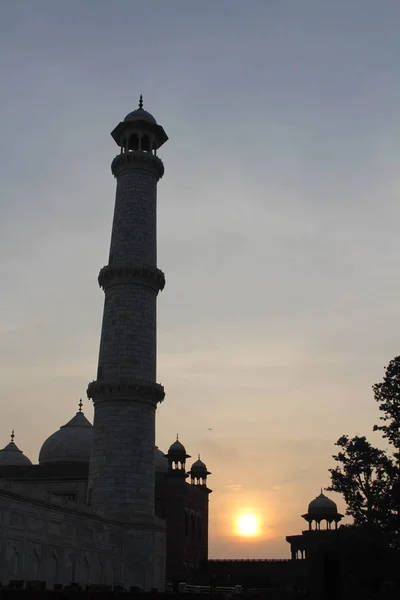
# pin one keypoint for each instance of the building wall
(176, 501)
(66, 480)
(350, 562)
(51, 539)
(70, 490)
(185, 508)
(253, 573)
(196, 526)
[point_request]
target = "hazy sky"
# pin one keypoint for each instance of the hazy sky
(278, 228)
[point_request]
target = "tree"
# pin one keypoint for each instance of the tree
(387, 394)
(364, 477)
(369, 478)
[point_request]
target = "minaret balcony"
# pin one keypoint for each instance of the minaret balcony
(142, 275)
(148, 392)
(137, 159)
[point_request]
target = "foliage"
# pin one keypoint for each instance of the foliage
(369, 478)
(387, 394)
(364, 477)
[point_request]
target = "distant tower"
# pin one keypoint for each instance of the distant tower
(186, 512)
(125, 394)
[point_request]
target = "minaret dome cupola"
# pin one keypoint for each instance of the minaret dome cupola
(139, 132)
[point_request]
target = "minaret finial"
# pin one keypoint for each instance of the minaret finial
(80, 405)
(198, 457)
(177, 437)
(12, 435)
(141, 101)
(321, 491)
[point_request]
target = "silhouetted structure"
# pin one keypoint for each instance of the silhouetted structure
(181, 497)
(185, 507)
(344, 562)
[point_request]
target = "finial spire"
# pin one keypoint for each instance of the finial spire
(80, 405)
(12, 435)
(198, 456)
(177, 437)
(141, 101)
(321, 491)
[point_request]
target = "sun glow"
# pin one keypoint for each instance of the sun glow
(247, 525)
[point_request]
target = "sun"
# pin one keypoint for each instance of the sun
(247, 525)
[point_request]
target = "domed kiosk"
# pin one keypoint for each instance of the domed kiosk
(177, 456)
(321, 509)
(12, 456)
(71, 443)
(139, 132)
(198, 473)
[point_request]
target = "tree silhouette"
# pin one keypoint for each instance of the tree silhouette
(367, 477)
(364, 478)
(387, 394)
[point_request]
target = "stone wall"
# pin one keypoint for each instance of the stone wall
(43, 537)
(70, 489)
(128, 342)
(134, 230)
(185, 508)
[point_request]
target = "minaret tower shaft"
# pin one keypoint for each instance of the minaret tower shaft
(125, 394)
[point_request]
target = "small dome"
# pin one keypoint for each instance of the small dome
(140, 115)
(177, 449)
(71, 443)
(12, 456)
(322, 505)
(161, 462)
(199, 467)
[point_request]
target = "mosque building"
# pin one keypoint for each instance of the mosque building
(104, 505)
(181, 496)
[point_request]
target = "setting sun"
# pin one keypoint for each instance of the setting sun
(247, 525)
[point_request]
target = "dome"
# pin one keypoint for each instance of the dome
(71, 443)
(177, 449)
(12, 456)
(140, 114)
(199, 467)
(161, 462)
(322, 505)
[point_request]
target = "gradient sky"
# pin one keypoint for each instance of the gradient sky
(278, 228)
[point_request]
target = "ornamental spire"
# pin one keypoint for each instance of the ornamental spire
(80, 405)
(141, 101)
(12, 435)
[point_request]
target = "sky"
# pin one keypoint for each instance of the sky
(278, 229)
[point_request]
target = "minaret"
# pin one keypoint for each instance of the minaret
(125, 394)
